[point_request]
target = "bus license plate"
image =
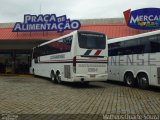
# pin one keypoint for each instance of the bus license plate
(92, 76)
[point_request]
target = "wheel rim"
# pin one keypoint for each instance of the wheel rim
(52, 77)
(129, 80)
(58, 77)
(143, 80)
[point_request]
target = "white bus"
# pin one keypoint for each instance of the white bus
(135, 60)
(77, 57)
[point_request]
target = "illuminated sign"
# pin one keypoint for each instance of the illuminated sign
(48, 22)
(146, 19)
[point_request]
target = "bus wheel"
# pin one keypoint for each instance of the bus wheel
(58, 79)
(143, 81)
(53, 79)
(129, 79)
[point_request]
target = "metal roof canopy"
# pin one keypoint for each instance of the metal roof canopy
(111, 30)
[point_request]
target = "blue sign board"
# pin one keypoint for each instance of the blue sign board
(48, 22)
(146, 19)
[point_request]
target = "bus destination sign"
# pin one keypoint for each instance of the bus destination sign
(47, 22)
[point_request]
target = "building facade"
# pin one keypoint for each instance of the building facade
(16, 47)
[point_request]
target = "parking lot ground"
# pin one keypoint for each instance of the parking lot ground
(25, 95)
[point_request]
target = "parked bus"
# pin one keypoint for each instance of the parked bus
(76, 57)
(135, 60)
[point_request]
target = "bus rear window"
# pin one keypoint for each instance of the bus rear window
(91, 40)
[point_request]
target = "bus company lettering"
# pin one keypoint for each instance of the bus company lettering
(131, 60)
(92, 69)
(48, 22)
(92, 65)
(58, 56)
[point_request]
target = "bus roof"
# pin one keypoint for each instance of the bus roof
(132, 37)
(74, 32)
(57, 38)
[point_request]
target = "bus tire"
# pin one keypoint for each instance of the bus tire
(143, 81)
(58, 77)
(53, 78)
(129, 79)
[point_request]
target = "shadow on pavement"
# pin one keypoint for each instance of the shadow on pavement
(75, 84)
(82, 85)
(151, 88)
(115, 82)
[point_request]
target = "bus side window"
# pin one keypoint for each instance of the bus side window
(121, 51)
(154, 44)
(116, 48)
(109, 52)
(130, 46)
(112, 52)
(144, 43)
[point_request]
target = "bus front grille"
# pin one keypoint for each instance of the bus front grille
(158, 75)
(67, 71)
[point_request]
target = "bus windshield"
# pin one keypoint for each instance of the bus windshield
(91, 40)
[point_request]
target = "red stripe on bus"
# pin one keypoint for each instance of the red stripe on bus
(98, 52)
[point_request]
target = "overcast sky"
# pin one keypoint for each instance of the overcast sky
(14, 10)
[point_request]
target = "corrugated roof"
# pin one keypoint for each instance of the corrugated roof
(111, 30)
